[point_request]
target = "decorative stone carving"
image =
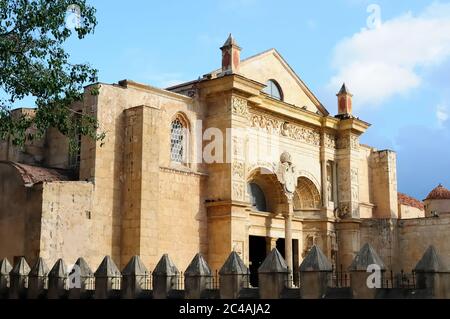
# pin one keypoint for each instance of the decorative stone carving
(354, 142)
(271, 167)
(238, 147)
(275, 126)
(348, 141)
(344, 210)
(239, 106)
(238, 170)
(355, 195)
(286, 173)
(330, 140)
(354, 175)
(238, 191)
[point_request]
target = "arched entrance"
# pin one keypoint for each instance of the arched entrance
(268, 199)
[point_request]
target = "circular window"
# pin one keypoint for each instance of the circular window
(273, 89)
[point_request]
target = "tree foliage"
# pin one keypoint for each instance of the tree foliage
(34, 63)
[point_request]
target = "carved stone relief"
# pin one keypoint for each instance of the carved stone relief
(239, 106)
(275, 126)
(238, 170)
(330, 140)
(238, 191)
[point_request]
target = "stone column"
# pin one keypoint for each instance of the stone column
(433, 274)
(197, 278)
(165, 276)
(362, 286)
(272, 275)
(234, 276)
(5, 269)
(288, 233)
(323, 166)
(37, 279)
(287, 176)
(315, 274)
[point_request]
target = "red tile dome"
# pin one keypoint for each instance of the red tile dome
(439, 192)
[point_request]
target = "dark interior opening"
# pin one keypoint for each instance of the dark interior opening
(257, 255)
(280, 247)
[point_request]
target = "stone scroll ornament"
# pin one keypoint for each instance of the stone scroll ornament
(287, 175)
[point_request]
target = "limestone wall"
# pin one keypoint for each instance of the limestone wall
(439, 206)
(409, 212)
(402, 243)
(384, 183)
(415, 235)
(70, 227)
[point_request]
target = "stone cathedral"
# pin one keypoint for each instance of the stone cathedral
(244, 158)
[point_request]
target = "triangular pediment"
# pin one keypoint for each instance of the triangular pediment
(270, 65)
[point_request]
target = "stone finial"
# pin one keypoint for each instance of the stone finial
(134, 278)
(85, 270)
(365, 257)
(21, 268)
(81, 280)
(197, 278)
(231, 56)
(106, 283)
(107, 268)
(39, 269)
(135, 267)
(233, 277)
(5, 267)
(165, 276)
(59, 270)
(274, 263)
(19, 279)
(431, 262)
(57, 280)
(198, 267)
(272, 276)
(344, 102)
(37, 278)
(165, 267)
(315, 261)
(234, 265)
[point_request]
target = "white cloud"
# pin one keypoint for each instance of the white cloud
(442, 114)
(380, 63)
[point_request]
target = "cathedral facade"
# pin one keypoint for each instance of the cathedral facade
(245, 158)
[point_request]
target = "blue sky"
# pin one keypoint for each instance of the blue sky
(398, 66)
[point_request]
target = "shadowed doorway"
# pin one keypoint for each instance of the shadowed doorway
(280, 247)
(257, 255)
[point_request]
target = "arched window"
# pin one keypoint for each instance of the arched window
(274, 90)
(178, 140)
(257, 197)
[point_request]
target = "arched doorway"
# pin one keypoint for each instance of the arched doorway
(266, 196)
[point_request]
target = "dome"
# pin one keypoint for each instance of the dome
(439, 192)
